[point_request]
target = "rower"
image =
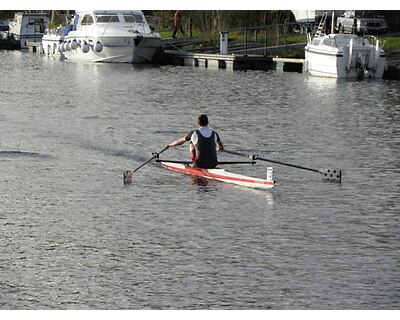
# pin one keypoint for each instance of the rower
(204, 144)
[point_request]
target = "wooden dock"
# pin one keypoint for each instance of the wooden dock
(237, 61)
(231, 61)
(393, 70)
(252, 62)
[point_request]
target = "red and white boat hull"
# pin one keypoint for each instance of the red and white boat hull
(222, 175)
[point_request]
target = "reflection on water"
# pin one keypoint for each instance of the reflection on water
(201, 182)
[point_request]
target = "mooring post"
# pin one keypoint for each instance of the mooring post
(245, 42)
(223, 43)
(265, 46)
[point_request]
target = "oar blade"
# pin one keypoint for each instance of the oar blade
(127, 176)
(334, 175)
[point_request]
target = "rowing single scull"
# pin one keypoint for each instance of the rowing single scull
(222, 175)
(186, 167)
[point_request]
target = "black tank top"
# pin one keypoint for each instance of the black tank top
(206, 153)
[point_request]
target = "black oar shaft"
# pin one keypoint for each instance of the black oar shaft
(287, 164)
(330, 174)
(143, 164)
(255, 157)
(152, 158)
(127, 174)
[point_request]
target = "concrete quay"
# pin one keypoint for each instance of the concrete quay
(231, 61)
(240, 61)
(253, 62)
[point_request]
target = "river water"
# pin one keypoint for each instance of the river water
(73, 237)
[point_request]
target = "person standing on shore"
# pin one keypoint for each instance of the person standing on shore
(177, 24)
(204, 144)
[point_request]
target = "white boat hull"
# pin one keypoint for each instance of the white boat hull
(116, 42)
(28, 27)
(358, 60)
(51, 44)
(121, 49)
(221, 175)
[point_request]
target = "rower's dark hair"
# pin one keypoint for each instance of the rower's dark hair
(203, 120)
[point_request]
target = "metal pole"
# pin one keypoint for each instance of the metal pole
(265, 46)
(245, 42)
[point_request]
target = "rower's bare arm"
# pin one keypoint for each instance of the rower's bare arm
(220, 146)
(177, 142)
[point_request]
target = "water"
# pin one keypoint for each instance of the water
(73, 237)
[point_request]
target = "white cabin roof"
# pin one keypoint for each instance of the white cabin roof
(99, 12)
(304, 16)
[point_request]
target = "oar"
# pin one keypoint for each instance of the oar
(330, 174)
(128, 173)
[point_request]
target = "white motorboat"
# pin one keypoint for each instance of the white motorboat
(28, 26)
(52, 40)
(105, 36)
(344, 55)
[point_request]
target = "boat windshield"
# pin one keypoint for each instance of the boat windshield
(87, 20)
(329, 42)
(133, 18)
(345, 40)
(107, 18)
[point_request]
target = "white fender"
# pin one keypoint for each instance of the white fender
(98, 47)
(74, 44)
(85, 47)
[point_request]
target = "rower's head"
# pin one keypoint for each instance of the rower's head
(202, 120)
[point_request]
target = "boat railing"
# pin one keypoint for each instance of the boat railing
(374, 40)
(154, 23)
(60, 30)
